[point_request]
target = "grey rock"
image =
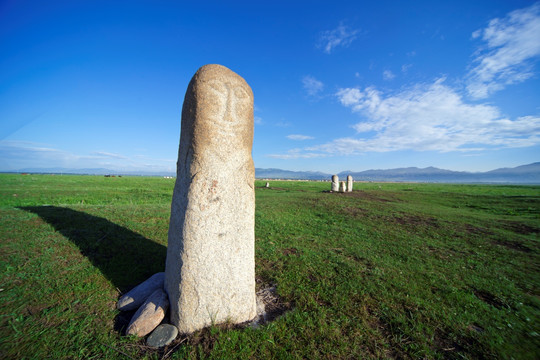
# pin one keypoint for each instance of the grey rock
(210, 266)
(349, 183)
(149, 315)
(136, 296)
(342, 186)
(162, 336)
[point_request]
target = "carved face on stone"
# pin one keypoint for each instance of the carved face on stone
(224, 111)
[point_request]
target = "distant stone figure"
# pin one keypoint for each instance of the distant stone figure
(210, 267)
(335, 183)
(349, 183)
(342, 186)
(267, 184)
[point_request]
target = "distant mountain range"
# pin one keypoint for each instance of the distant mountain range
(92, 171)
(525, 174)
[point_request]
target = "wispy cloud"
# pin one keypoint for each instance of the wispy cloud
(340, 36)
(299, 137)
(282, 123)
(312, 86)
(104, 154)
(437, 117)
(428, 117)
(511, 46)
(405, 68)
(297, 154)
(388, 75)
(15, 155)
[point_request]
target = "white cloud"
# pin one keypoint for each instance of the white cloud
(282, 123)
(258, 120)
(405, 67)
(15, 155)
(511, 46)
(349, 96)
(297, 154)
(428, 117)
(388, 75)
(312, 86)
(299, 137)
(105, 154)
(435, 116)
(23, 154)
(340, 36)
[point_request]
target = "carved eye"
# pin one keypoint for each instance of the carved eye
(240, 93)
(218, 86)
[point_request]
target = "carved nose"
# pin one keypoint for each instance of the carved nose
(229, 108)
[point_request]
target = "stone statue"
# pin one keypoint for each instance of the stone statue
(210, 267)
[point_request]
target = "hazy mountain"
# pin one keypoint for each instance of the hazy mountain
(533, 168)
(525, 174)
(290, 175)
(93, 171)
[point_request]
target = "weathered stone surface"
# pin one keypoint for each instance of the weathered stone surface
(335, 183)
(342, 186)
(267, 184)
(162, 336)
(136, 296)
(210, 267)
(349, 183)
(149, 315)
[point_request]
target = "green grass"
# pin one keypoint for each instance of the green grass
(390, 271)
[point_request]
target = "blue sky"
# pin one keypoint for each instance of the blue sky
(341, 85)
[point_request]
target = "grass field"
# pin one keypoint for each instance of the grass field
(389, 271)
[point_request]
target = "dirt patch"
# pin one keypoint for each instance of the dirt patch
(454, 347)
(475, 328)
(512, 245)
(416, 220)
(274, 306)
(520, 228)
(378, 325)
(271, 188)
(354, 211)
(475, 230)
(488, 298)
(279, 188)
(290, 251)
(36, 310)
(369, 196)
(442, 254)
(367, 264)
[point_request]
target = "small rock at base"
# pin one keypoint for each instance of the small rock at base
(138, 295)
(149, 315)
(162, 336)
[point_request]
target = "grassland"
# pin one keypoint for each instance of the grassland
(389, 271)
